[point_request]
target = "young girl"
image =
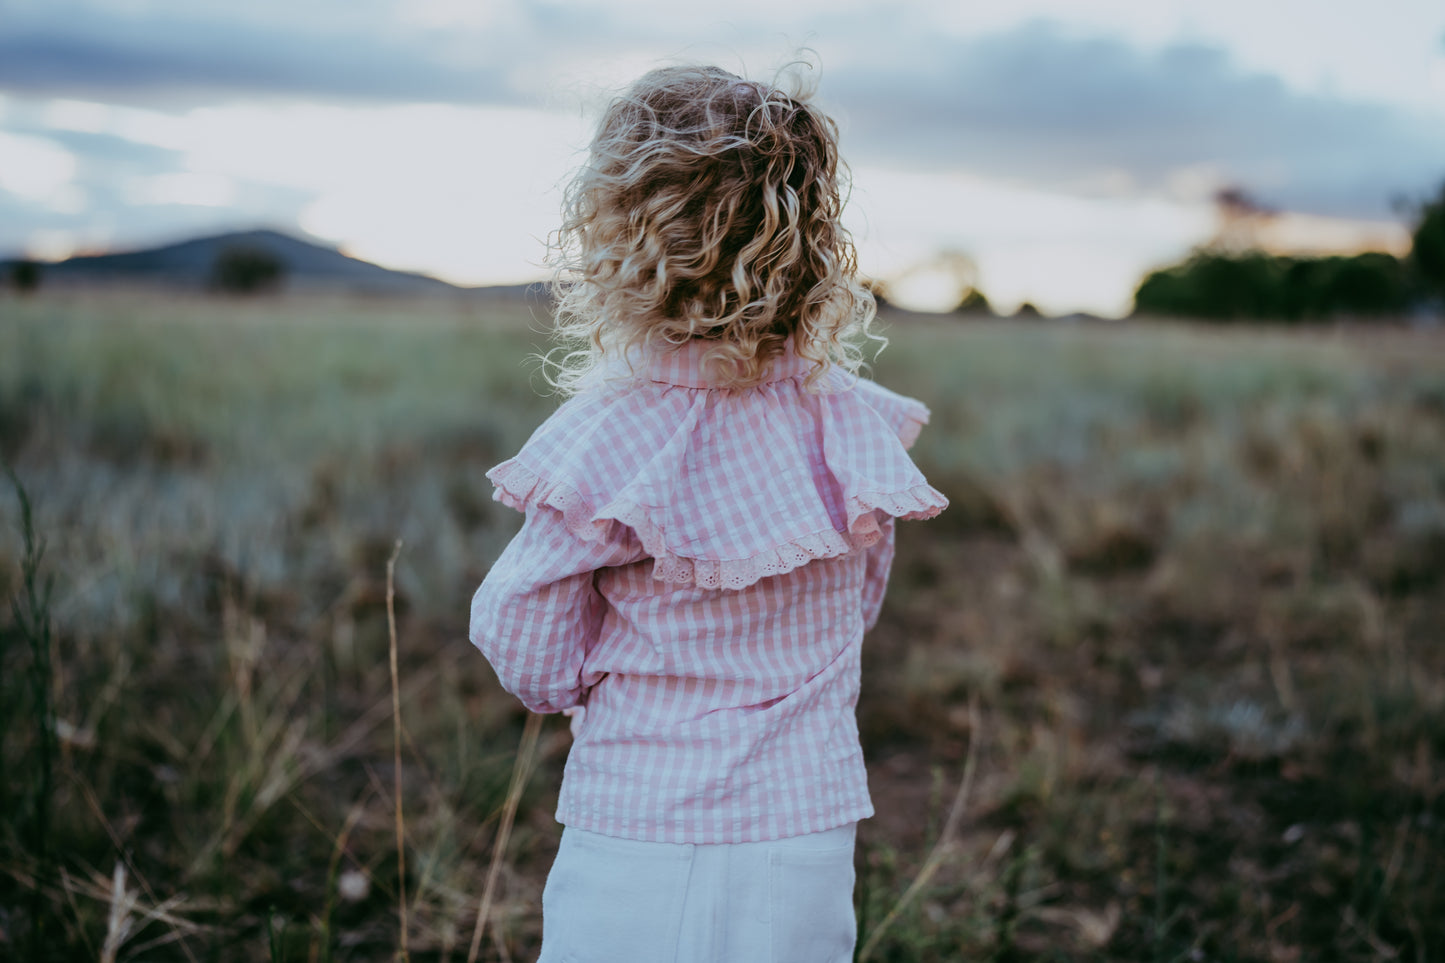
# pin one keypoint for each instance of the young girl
(708, 533)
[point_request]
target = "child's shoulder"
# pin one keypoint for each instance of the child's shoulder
(724, 487)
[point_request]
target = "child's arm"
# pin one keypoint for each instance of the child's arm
(875, 583)
(538, 612)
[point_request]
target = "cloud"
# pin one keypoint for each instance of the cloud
(110, 188)
(1040, 107)
(178, 55)
(1035, 104)
(114, 154)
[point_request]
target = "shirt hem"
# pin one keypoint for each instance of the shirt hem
(663, 833)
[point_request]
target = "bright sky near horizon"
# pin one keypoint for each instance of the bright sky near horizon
(1059, 147)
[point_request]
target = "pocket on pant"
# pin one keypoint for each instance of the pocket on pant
(812, 905)
(613, 900)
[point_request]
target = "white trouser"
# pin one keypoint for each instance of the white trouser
(623, 900)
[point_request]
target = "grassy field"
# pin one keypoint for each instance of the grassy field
(1166, 682)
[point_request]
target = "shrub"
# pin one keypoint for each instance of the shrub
(1427, 252)
(25, 276)
(1257, 286)
(245, 269)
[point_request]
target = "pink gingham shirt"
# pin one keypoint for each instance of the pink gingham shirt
(697, 568)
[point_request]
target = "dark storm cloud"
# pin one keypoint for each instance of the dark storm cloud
(82, 51)
(1036, 105)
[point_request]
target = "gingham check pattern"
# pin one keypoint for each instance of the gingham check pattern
(697, 567)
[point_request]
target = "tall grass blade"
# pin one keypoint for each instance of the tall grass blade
(521, 768)
(31, 612)
(941, 847)
(396, 744)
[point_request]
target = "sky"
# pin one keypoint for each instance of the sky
(1050, 151)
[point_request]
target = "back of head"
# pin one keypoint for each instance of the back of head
(709, 209)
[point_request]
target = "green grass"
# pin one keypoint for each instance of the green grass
(1191, 583)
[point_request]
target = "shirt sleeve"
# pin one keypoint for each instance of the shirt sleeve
(538, 611)
(875, 579)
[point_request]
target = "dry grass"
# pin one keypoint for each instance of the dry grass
(1191, 581)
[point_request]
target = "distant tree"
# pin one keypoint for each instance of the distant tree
(1241, 286)
(25, 276)
(1222, 282)
(246, 269)
(1427, 251)
(1254, 286)
(974, 302)
(1371, 284)
(1027, 312)
(1217, 286)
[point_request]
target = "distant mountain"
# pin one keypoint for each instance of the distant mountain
(306, 266)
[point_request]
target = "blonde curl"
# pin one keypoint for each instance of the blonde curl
(708, 209)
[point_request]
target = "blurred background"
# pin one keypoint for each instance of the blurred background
(1049, 151)
(1165, 682)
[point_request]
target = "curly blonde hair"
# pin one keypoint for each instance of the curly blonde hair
(708, 209)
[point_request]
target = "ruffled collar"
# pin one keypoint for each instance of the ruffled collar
(683, 366)
(725, 488)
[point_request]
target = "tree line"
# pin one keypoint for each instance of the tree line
(1224, 285)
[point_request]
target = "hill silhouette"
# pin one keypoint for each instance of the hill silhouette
(191, 265)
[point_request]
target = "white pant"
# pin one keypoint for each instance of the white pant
(623, 900)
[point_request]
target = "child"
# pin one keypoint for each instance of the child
(708, 533)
